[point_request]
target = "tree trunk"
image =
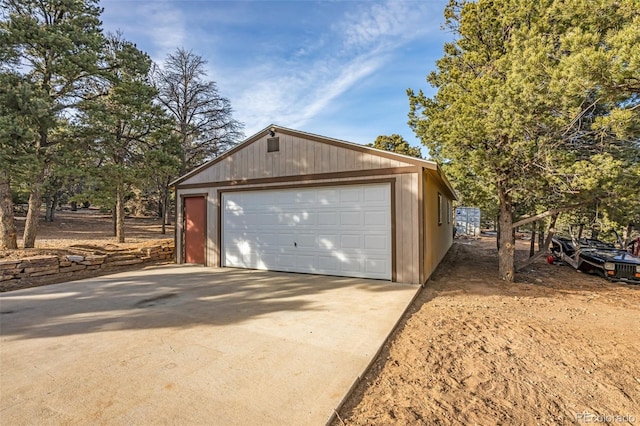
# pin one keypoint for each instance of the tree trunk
(506, 253)
(580, 229)
(119, 214)
(51, 204)
(33, 214)
(8, 233)
(498, 232)
(35, 196)
(541, 236)
(114, 219)
(168, 209)
(48, 210)
(532, 246)
(165, 211)
(74, 206)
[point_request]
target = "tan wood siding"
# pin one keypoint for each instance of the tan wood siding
(287, 153)
(414, 228)
(349, 159)
(213, 253)
(304, 160)
(324, 154)
(407, 205)
(297, 156)
(311, 158)
(437, 238)
(387, 162)
(341, 162)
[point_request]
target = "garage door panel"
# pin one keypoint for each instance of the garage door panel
(375, 265)
(351, 241)
(285, 240)
(309, 262)
(375, 194)
(327, 197)
(238, 259)
(305, 198)
(327, 218)
(283, 198)
(352, 265)
(268, 260)
(234, 207)
(376, 242)
(328, 241)
(350, 218)
(287, 260)
(375, 218)
(328, 264)
(287, 230)
(307, 241)
(263, 238)
(351, 195)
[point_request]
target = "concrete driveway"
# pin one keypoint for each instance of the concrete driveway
(190, 345)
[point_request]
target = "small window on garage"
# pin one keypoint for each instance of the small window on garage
(448, 212)
(439, 208)
(273, 144)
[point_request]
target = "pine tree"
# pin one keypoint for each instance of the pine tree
(528, 95)
(57, 44)
(395, 143)
(122, 124)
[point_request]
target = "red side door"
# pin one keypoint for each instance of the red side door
(195, 229)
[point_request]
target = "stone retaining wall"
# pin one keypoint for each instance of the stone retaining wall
(69, 267)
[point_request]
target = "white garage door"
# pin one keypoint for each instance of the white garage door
(339, 230)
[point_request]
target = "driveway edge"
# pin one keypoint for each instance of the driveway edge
(334, 415)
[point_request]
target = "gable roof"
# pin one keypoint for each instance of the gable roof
(426, 164)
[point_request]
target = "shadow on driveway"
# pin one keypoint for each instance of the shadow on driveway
(171, 296)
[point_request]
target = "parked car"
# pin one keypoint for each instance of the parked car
(596, 256)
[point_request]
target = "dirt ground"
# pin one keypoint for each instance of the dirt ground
(556, 347)
(88, 228)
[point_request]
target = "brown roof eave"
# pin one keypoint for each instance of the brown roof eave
(439, 175)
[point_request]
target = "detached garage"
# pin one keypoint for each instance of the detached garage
(286, 200)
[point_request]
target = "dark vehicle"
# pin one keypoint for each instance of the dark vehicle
(599, 257)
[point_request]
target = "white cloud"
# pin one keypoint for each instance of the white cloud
(294, 99)
(391, 21)
(292, 94)
(160, 22)
(166, 26)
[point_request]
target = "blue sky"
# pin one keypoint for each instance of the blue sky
(334, 68)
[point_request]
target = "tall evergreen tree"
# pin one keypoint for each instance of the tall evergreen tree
(57, 44)
(532, 97)
(123, 124)
(16, 133)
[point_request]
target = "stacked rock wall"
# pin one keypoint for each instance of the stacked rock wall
(70, 267)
